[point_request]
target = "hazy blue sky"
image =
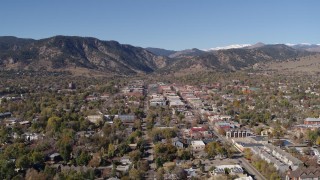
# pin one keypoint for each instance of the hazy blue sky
(170, 24)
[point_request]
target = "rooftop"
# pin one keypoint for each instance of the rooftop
(310, 172)
(197, 143)
(312, 119)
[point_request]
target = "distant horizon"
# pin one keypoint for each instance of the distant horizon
(208, 49)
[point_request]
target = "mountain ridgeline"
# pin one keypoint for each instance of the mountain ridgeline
(64, 52)
(69, 53)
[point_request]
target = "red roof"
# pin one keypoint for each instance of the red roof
(198, 129)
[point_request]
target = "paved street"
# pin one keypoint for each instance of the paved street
(150, 175)
(244, 163)
(251, 169)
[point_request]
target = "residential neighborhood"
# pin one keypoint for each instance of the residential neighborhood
(144, 129)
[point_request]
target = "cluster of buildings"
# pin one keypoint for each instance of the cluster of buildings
(96, 97)
(134, 89)
(238, 133)
(280, 159)
(163, 95)
(10, 122)
(303, 173)
(188, 101)
(308, 124)
(232, 170)
(312, 122)
(157, 100)
(124, 118)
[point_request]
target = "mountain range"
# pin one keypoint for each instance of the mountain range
(66, 52)
(73, 53)
(302, 46)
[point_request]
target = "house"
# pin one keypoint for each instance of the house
(165, 89)
(215, 118)
(197, 146)
(234, 170)
(191, 173)
(195, 102)
(108, 119)
(310, 173)
(176, 104)
(312, 121)
(55, 157)
(96, 119)
(125, 160)
(177, 142)
(31, 136)
(226, 126)
(200, 133)
(157, 101)
(92, 98)
(185, 133)
(168, 176)
(5, 115)
(266, 132)
(25, 123)
(126, 119)
(188, 114)
(243, 145)
(104, 96)
(123, 168)
(133, 146)
(11, 121)
(258, 139)
(195, 132)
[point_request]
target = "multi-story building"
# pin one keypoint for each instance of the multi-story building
(238, 133)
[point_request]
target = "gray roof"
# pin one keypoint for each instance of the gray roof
(283, 153)
(54, 155)
(310, 172)
(126, 117)
(5, 114)
(312, 119)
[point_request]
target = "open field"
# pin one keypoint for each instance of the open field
(310, 64)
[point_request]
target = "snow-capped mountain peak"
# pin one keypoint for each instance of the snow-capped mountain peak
(306, 46)
(233, 46)
(301, 44)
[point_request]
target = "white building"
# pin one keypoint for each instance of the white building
(280, 159)
(234, 170)
(95, 118)
(159, 101)
(198, 145)
(238, 133)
